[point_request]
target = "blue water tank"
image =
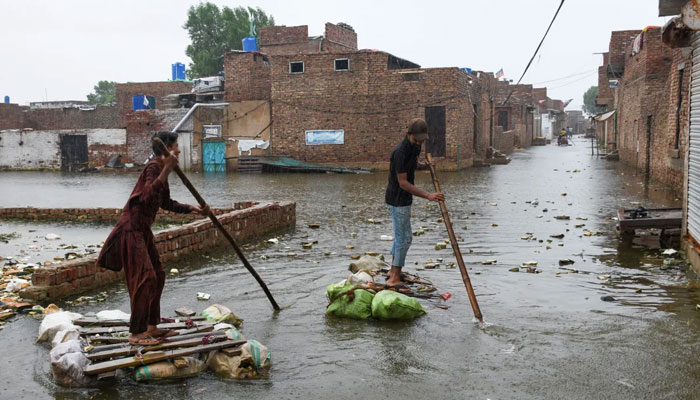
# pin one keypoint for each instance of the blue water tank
(178, 71)
(250, 44)
(7, 99)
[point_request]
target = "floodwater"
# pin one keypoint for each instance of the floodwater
(549, 335)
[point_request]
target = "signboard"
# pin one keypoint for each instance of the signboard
(314, 138)
(211, 131)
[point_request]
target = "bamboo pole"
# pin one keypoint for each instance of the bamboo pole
(453, 242)
(219, 226)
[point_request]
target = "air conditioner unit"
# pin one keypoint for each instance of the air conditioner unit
(209, 84)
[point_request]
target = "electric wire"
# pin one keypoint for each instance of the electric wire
(536, 50)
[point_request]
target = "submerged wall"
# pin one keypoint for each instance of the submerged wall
(81, 275)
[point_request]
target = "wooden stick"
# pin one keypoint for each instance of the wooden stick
(155, 356)
(453, 242)
(218, 224)
(115, 329)
(133, 349)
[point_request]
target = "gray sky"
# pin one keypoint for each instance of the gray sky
(58, 50)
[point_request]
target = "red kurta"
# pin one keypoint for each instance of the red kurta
(130, 246)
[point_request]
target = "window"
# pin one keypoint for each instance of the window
(296, 67)
(503, 119)
(342, 64)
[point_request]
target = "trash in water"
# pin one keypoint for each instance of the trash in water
(203, 296)
(514, 269)
(314, 226)
(669, 252)
(530, 263)
(440, 246)
(604, 277)
(557, 236)
(566, 261)
(52, 236)
(306, 245)
(386, 238)
(607, 298)
(488, 262)
(562, 217)
(174, 271)
(273, 240)
(349, 247)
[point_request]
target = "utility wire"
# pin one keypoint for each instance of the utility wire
(573, 81)
(566, 77)
(536, 50)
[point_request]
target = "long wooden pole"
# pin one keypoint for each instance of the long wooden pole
(453, 242)
(218, 224)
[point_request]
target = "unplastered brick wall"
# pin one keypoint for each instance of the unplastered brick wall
(247, 76)
(339, 39)
(643, 101)
(140, 127)
(370, 102)
(81, 275)
(102, 214)
(11, 116)
(124, 93)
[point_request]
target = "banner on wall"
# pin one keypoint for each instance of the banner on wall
(314, 138)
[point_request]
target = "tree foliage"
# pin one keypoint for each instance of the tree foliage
(214, 31)
(103, 93)
(589, 105)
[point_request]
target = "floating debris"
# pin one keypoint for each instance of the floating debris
(314, 226)
(557, 236)
(273, 241)
(604, 277)
(174, 271)
(669, 252)
(530, 263)
(514, 269)
(349, 247)
(307, 245)
(52, 236)
(386, 238)
(562, 217)
(566, 261)
(203, 296)
(488, 262)
(440, 246)
(607, 298)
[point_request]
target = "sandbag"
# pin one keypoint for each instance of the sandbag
(68, 364)
(388, 304)
(64, 336)
(220, 313)
(369, 264)
(113, 315)
(59, 321)
(253, 362)
(231, 331)
(168, 370)
(348, 301)
(360, 277)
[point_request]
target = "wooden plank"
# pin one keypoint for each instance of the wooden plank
(155, 356)
(123, 341)
(116, 329)
(230, 351)
(92, 321)
(129, 350)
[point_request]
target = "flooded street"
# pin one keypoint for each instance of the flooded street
(549, 335)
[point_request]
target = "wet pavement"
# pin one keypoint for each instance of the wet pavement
(549, 334)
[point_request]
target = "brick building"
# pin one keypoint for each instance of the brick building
(645, 89)
(124, 93)
(283, 40)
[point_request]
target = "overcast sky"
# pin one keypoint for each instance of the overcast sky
(58, 50)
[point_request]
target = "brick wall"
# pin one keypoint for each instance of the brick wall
(102, 214)
(124, 93)
(140, 127)
(81, 275)
(11, 116)
(247, 76)
(617, 50)
(339, 39)
(371, 103)
(643, 102)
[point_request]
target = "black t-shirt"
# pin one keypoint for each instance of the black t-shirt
(404, 159)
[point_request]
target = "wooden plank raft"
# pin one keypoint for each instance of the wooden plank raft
(85, 331)
(124, 339)
(129, 350)
(124, 342)
(155, 356)
(92, 321)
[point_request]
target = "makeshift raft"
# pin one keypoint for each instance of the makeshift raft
(630, 220)
(287, 164)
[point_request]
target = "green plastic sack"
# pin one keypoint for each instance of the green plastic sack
(348, 303)
(388, 304)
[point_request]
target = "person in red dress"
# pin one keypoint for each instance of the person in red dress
(130, 245)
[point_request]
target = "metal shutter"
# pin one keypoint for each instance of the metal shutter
(694, 146)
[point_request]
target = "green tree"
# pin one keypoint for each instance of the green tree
(103, 93)
(214, 31)
(589, 105)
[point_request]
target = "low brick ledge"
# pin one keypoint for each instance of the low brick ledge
(103, 214)
(81, 275)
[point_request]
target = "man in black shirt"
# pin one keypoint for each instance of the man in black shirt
(399, 195)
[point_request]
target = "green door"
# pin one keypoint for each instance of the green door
(213, 156)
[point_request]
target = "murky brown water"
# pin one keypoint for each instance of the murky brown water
(550, 336)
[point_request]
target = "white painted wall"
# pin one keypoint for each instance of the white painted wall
(41, 149)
